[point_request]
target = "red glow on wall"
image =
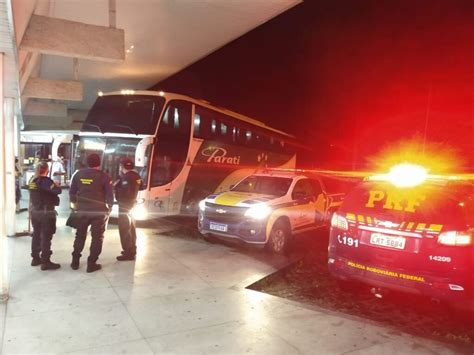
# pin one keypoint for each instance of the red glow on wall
(351, 78)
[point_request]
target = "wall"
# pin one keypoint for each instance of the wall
(352, 78)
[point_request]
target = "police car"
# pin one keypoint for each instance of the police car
(407, 231)
(268, 208)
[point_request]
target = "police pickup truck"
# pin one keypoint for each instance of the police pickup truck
(408, 231)
(269, 208)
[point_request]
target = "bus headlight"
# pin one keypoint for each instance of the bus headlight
(140, 212)
(259, 211)
(202, 205)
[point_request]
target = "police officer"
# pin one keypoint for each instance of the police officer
(126, 190)
(43, 196)
(91, 192)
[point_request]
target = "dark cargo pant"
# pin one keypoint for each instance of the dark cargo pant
(127, 230)
(98, 222)
(44, 226)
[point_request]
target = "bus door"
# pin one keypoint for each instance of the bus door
(170, 153)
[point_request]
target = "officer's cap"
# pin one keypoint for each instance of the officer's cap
(127, 163)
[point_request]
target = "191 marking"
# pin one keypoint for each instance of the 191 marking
(349, 241)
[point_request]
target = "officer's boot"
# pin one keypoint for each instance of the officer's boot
(92, 265)
(49, 265)
(75, 262)
(36, 261)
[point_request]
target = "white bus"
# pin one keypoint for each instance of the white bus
(184, 149)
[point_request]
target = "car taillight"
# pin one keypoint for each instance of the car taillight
(337, 221)
(455, 238)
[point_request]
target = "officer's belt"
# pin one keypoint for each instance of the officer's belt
(43, 208)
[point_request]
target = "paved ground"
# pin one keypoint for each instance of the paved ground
(182, 295)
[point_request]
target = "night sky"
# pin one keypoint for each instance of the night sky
(352, 79)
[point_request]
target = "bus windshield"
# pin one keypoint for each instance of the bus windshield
(269, 185)
(111, 150)
(135, 114)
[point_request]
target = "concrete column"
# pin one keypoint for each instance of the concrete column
(10, 210)
(17, 138)
(3, 188)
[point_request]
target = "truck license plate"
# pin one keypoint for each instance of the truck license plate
(387, 241)
(218, 227)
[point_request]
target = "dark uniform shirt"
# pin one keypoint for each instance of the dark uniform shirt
(44, 193)
(91, 190)
(126, 190)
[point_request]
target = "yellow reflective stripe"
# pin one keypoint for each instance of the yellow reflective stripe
(410, 225)
(420, 226)
(350, 216)
(436, 227)
(360, 218)
(402, 225)
(369, 220)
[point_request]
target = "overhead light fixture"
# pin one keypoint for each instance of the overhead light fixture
(161, 93)
(127, 92)
(129, 49)
(100, 93)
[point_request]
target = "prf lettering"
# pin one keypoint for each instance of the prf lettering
(391, 200)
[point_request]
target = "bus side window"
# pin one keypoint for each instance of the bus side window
(204, 118)
(197, 125)
(172, 143)
(214, 127)
(248, 136)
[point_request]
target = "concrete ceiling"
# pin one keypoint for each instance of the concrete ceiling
(161, 38)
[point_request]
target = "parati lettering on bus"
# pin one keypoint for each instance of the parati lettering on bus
(219, 155)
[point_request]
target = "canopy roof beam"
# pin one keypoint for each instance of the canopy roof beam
(49, 35)
(69, 90)
(48, 109)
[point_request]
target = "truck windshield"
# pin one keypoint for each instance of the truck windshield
(111, 150)
(269, 185)
(133, 114)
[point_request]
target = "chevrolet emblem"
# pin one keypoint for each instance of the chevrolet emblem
(387, 224)
(220, 210)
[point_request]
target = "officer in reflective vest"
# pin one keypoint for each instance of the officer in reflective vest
(126, 191)
(91, 193)
(43, 196)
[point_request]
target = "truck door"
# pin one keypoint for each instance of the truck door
(320, 202)
(303, 194)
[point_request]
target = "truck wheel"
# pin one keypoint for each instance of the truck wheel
(279, 236)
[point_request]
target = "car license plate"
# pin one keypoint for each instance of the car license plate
(218, 227)
(384, 240)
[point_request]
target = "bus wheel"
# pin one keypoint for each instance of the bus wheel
(279, 236)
